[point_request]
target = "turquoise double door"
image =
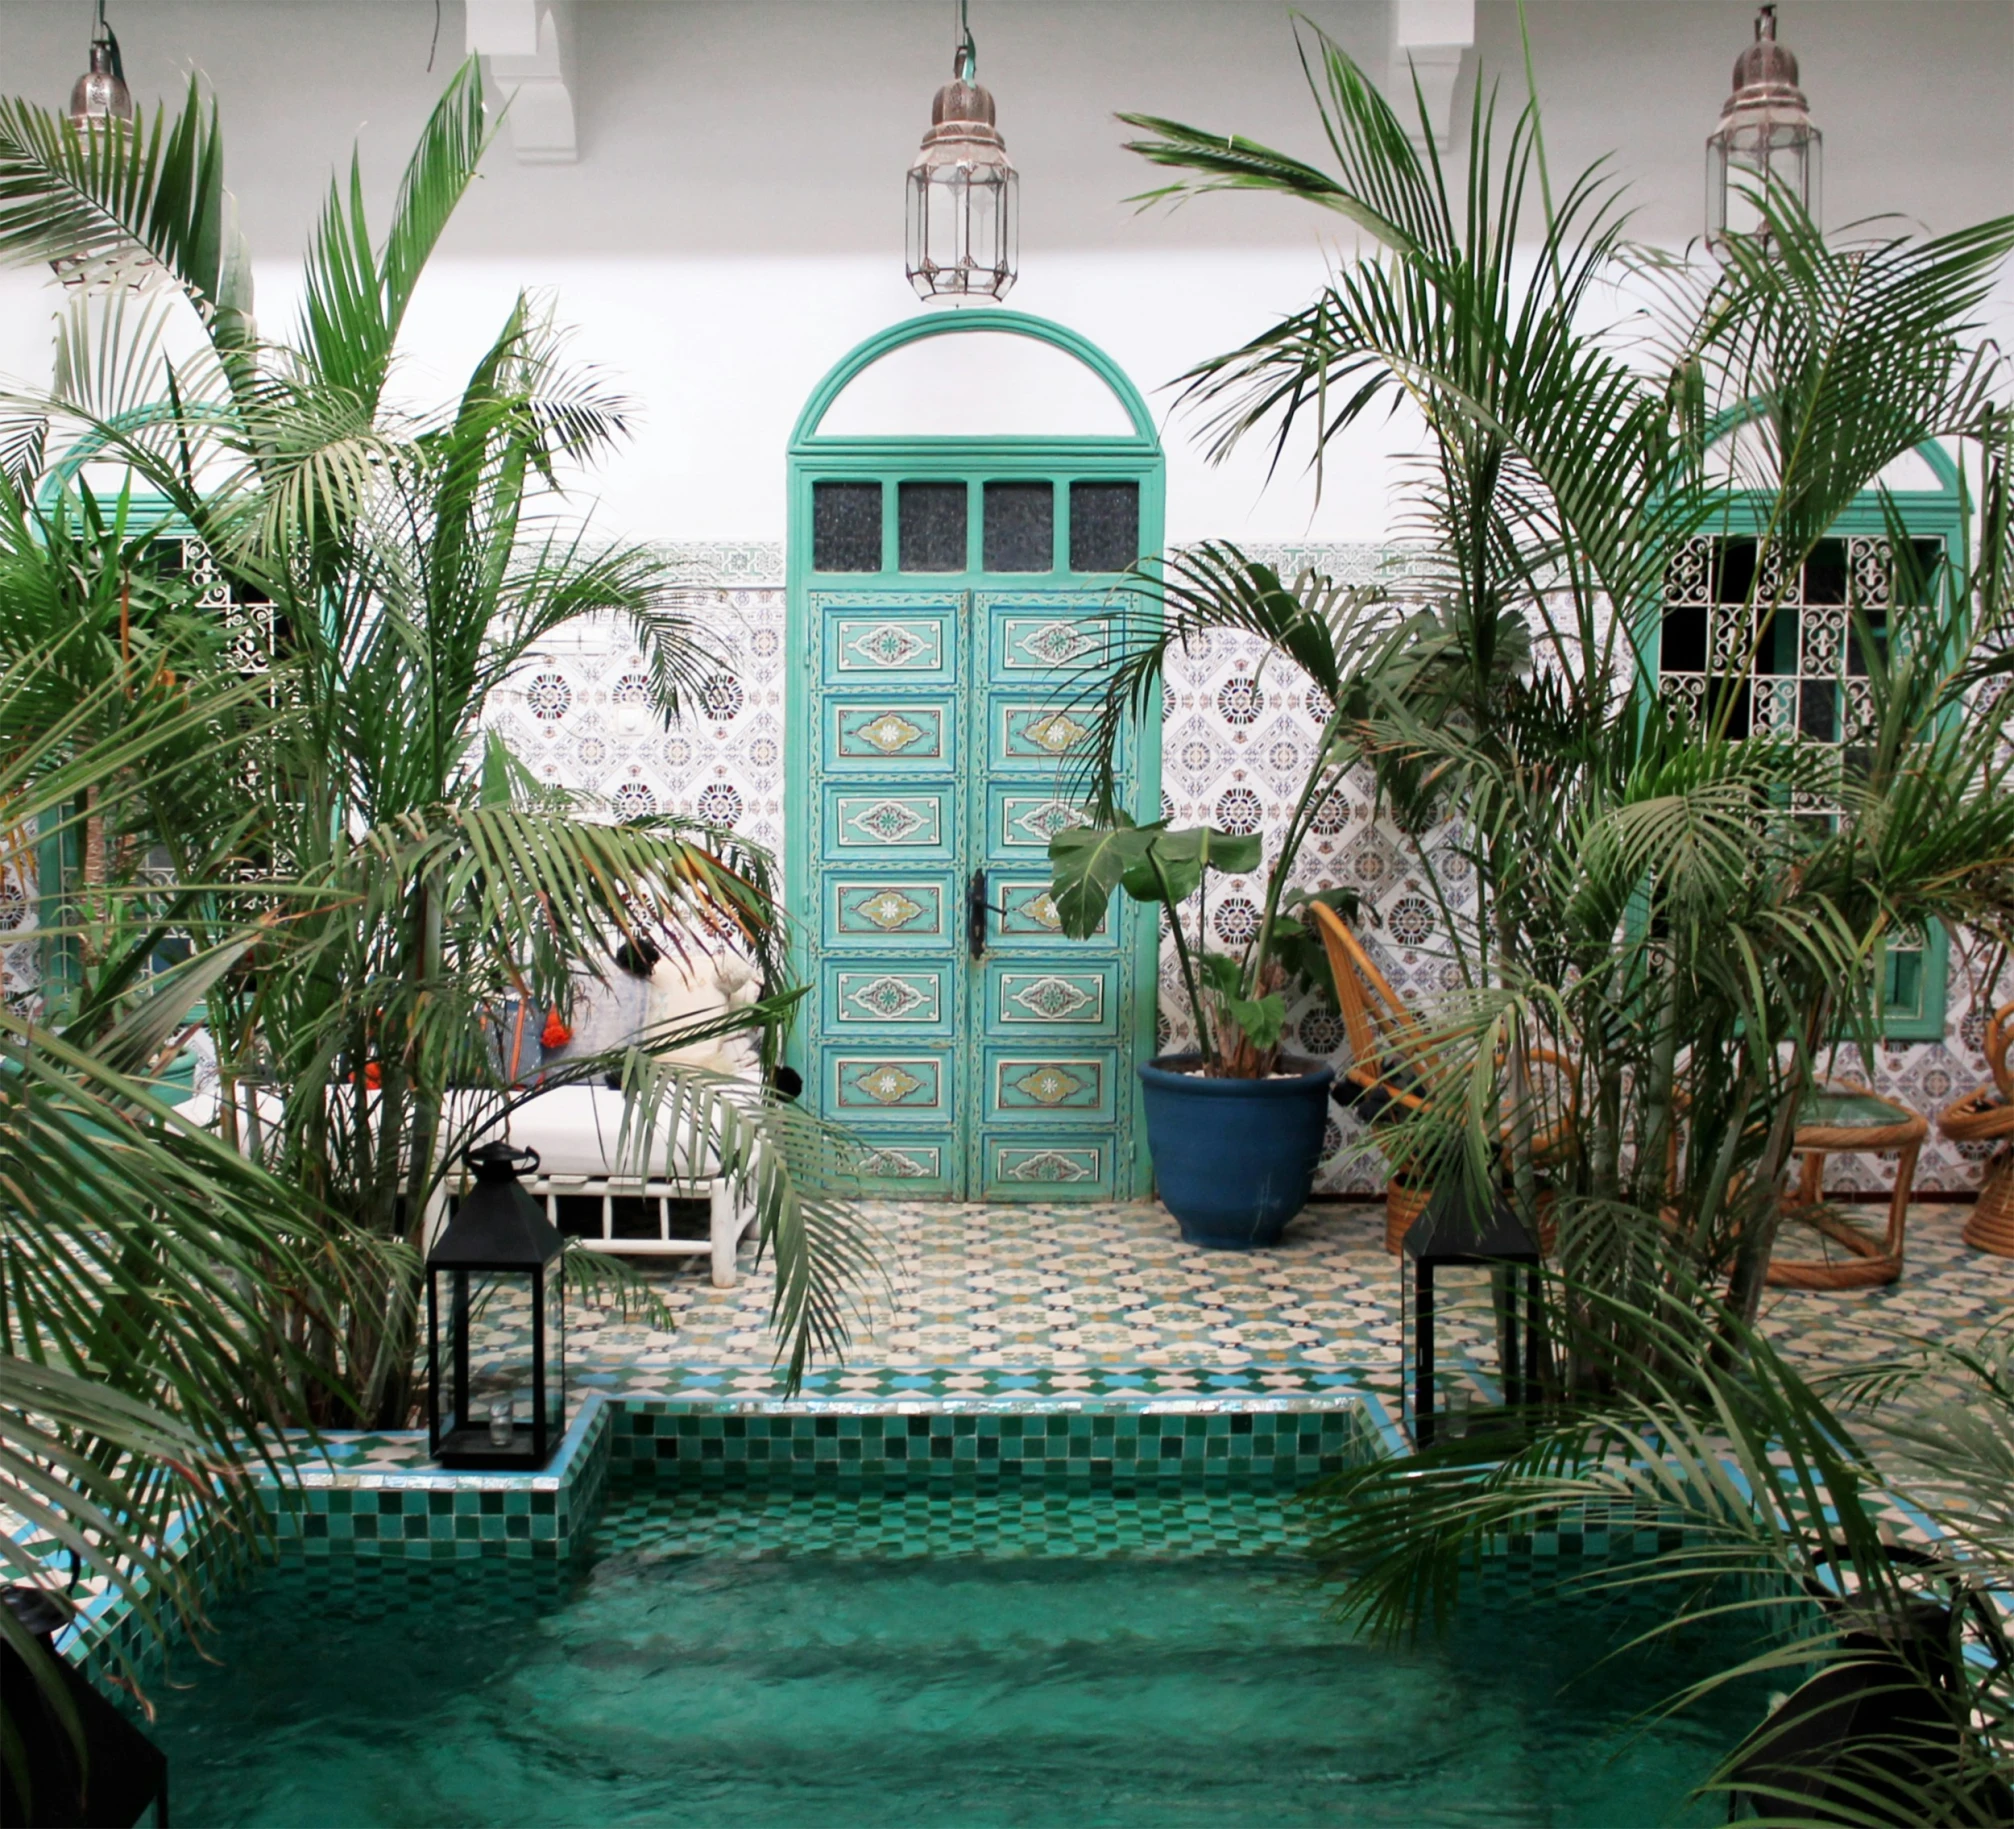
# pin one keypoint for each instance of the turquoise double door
(977, 1050)
(950, 598)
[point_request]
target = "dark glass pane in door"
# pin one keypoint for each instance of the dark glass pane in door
(1020, 527)
(1104, 526)
(846, 527)
(931, 518)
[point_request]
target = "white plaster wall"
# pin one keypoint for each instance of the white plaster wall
(734, 221)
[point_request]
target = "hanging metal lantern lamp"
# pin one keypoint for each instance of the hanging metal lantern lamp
(1765, 141)
(101, 94)
(963, 191)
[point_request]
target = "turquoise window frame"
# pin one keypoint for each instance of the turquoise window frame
(1927, 1021)
(58, 861)
(1934, 513)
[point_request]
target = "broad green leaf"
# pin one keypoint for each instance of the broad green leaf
(1262, 1019)
(1183, 856)
(1088, 863)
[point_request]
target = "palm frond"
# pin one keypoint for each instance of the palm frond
(128, 192)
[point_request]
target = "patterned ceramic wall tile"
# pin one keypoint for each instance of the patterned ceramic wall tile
(578, 713)
(1235, 741)
(20, 973)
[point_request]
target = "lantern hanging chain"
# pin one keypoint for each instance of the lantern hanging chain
(965, 57)
(102, 33)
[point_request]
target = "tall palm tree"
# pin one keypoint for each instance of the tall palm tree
(1645, 901)
(411, 562)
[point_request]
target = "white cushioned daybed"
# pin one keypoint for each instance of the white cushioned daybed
(576, 1131)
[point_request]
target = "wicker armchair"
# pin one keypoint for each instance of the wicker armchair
(1986, 1115)
(1392, 1065)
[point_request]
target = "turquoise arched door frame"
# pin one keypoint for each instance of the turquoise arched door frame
(943, 591)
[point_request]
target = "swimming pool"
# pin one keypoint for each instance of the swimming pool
(779, 1654)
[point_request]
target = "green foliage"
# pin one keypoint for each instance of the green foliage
(1769, 1492)
(324, 860)
(414, 562)
(1660, 923)
(1672, 920)
(1164, 867)
(1336, 637)
(112, 203)
(143, 1366)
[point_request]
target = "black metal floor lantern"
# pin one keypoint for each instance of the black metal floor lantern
(1452, 1233)
(501, 1411)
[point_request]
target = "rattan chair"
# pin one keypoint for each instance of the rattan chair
(1986, 1115)
(1392, 1064)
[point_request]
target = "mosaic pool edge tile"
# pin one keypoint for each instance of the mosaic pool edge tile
(348, 1499)
(1066, 1444)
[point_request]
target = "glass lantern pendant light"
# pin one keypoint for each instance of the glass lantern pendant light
(1765, 143)
(101, 94)
(963, 191)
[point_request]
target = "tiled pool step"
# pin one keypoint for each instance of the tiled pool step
(1062, 1443)
(380, 1506)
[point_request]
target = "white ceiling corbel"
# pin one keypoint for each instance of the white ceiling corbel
(528, 45)
(1428, 39)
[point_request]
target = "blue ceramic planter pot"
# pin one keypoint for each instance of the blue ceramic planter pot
(1234, 1159)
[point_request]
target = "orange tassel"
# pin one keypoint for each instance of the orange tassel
(555, 1033)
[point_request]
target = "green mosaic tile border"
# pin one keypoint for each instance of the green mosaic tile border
(1065, 1444)
(1006, 1474)
(424, 1513)
(655, 1521)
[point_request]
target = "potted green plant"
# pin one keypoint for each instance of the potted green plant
(1235, 1124)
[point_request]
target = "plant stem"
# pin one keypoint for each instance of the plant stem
(1203, 1045)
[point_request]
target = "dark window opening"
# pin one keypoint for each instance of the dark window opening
(1684, 647)
(1733, 571)
(1104, 526)
(1818, 710)
(1020, 527)
(930, 521)
(846, 527)
(1825, 573)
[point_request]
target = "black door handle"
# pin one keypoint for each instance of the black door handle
(975, 914)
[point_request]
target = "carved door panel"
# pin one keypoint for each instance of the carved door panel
(1052, 1018)
(886, 1022)
(977, 1051)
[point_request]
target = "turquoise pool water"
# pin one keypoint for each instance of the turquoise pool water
(938, 1668)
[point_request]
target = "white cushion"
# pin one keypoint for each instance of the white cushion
(576, 1129)
(686, 992)
(612, 1013)
(205, 1109)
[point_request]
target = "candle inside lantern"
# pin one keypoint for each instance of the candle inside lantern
(500, 1422)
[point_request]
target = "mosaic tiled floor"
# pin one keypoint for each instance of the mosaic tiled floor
(1106, 1301)
(1101, 1300)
